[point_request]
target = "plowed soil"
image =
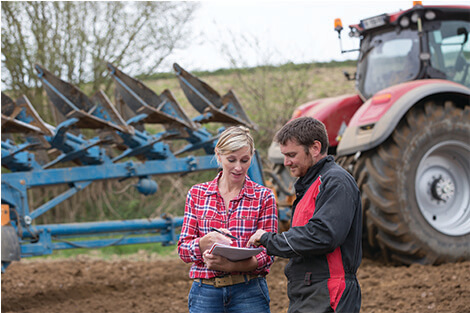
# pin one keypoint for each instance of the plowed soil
(152, 284)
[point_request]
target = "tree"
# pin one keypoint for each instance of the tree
(272, 90)
(75, 40)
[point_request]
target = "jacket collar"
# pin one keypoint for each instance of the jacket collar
(305, 181)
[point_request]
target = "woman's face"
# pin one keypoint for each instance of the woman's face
(235, 164)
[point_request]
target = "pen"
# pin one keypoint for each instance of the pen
(221, 232)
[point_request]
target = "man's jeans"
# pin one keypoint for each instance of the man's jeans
(249, 297)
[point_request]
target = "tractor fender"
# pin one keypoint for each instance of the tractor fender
(334, 112)
(375, 121)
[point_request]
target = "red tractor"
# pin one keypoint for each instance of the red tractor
(405, 136)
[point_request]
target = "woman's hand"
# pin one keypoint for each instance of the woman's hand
(209, 239)
(216, 262)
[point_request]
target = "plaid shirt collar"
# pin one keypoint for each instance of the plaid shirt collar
(248, 189)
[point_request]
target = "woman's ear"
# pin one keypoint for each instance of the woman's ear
(218, 159)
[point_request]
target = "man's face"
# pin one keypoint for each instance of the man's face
(296, 158)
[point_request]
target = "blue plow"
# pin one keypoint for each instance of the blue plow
(135, 154)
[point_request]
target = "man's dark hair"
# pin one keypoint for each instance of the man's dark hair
(304, 131)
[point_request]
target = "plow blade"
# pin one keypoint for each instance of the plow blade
(209, 103)
(97, 113)
(21, 117)
(12, 125)
(72, 103)
(139, 99)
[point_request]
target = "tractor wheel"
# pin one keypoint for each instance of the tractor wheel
(418, 186)
(282, 183)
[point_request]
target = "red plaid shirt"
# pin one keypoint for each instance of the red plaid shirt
(254, 208)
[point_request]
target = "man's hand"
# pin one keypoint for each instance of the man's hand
(254, 239)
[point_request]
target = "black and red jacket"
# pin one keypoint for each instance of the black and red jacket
(325, 240)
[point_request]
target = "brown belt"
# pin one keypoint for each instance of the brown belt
(226, 280)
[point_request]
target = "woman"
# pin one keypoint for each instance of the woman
(235, 205)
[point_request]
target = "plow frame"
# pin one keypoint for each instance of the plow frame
(143, 156)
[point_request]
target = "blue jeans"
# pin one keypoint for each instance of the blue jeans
(249, 297)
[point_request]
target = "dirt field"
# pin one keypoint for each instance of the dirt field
(145, 283)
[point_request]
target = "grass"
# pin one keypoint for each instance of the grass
(139, 251)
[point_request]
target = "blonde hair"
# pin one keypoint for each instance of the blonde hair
(233, 139)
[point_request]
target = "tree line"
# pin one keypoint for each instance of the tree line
(75, 40)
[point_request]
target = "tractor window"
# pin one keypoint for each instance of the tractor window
(450, 50)
(388, 59)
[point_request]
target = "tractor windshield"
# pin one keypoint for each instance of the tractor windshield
(390, 57)
(386, 59)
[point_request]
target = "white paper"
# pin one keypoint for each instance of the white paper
(234, 253)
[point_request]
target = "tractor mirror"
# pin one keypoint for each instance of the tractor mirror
(463, 31)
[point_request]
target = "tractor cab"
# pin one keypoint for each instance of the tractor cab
(420, 43)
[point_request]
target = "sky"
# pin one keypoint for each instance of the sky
(285, 31)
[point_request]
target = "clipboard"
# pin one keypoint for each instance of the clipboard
(234, 253)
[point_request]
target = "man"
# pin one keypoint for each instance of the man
(324, 243)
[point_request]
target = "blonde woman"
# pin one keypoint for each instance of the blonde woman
(236, 206)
